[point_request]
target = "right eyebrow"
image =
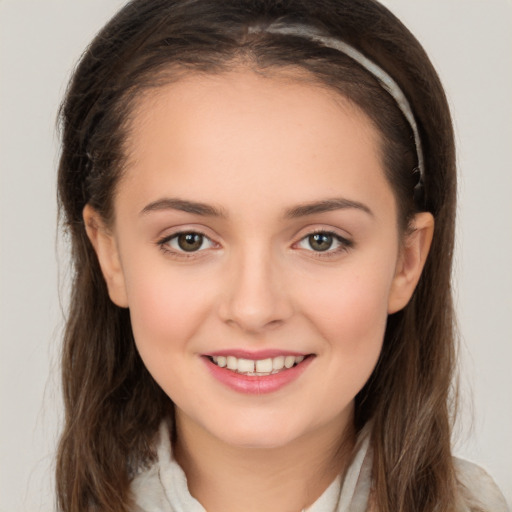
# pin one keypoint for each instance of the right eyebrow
(326, 205)
(197, 208)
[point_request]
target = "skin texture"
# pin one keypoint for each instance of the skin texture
(256, 148)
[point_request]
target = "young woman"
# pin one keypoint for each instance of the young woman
(261, 198)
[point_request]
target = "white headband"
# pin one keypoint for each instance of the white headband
(387, 83)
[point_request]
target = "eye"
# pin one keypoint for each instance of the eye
(324, 241)
(190, 241)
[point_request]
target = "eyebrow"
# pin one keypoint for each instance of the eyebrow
(302, 210)
(182, 205)
(326, 205)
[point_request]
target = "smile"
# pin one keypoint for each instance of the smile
(258, 367)
(257, 373)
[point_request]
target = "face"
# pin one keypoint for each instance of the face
(256, 246)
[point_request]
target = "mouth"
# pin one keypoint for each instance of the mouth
(257, 373)
(258, 367)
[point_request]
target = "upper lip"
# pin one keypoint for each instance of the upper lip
(255, 354)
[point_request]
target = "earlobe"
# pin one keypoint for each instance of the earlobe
(107, 252)
(412, 259)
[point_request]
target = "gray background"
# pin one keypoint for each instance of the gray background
(470, 42)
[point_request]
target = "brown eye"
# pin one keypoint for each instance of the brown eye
(186, 242)
(190, 242)
(326, 242)
(320, 241)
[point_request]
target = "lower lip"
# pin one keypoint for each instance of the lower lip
(254, 385)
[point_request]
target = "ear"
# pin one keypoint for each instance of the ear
(411, 261)
(104, 244)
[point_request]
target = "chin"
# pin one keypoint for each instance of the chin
(265, 435)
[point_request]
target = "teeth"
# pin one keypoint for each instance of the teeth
(259, 367)
(246, 365)
(264, 366)
(278, 363)
(289, 361)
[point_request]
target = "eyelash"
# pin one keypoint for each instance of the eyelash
(181, 253)
(344, 244)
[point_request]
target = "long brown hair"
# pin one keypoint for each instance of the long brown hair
(113, 406)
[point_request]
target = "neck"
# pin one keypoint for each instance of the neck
(227, 478)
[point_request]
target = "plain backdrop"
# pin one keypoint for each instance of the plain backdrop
(469, 41)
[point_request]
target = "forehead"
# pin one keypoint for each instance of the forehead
(243, 133)
(289, 97)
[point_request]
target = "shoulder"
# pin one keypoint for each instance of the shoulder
(478, 489)
(147, 491)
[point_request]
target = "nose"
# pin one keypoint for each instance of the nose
(256, 298)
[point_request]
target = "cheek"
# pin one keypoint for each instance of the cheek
(357, 314)
(165, 309)
(351, 314)
(353, 302)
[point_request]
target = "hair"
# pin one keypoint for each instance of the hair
(113, 407)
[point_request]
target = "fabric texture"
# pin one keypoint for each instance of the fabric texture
(163, 486)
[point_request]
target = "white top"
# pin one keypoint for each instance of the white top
(163, 487)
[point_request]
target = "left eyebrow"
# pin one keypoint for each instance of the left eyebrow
(326, 205)
(182, 205)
